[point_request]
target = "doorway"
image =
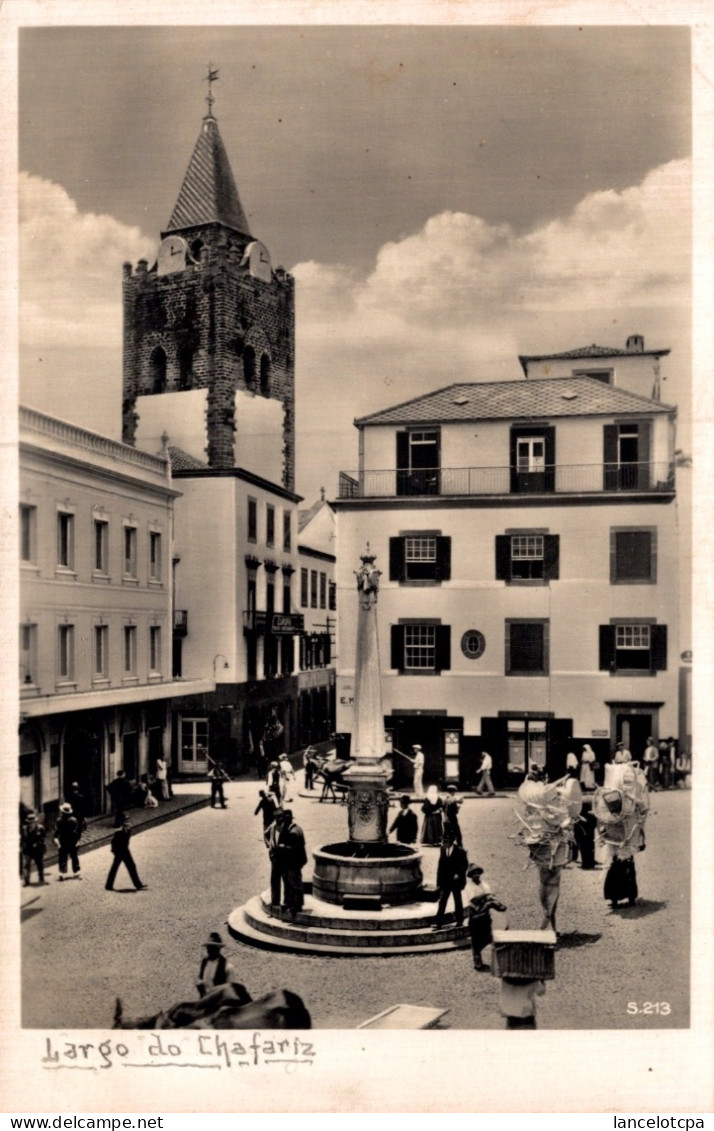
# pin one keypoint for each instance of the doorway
(634, 730)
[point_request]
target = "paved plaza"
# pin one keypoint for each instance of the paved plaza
(83, 946)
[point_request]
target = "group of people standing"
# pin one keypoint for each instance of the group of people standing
(283, 837)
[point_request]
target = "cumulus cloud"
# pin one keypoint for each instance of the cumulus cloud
(70, 269)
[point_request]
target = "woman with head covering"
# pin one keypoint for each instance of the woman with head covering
(587, 776)
(432, 808)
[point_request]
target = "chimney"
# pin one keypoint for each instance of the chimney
(635, 344)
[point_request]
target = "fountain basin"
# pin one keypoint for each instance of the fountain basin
(389, 872)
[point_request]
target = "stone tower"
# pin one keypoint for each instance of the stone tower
(211, 313)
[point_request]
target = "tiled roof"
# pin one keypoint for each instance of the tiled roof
(502, 400)
(182, 461)
(589, 351)
(305, 516)
(208, 193)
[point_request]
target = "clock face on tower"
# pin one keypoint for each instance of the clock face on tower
(259, 265)
(172, 255)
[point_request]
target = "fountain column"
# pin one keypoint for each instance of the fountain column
(368, 798)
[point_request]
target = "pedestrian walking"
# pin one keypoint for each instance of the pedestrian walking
(310, 766)
(405, 824)
(267, 807)
(215, 969)
(584, 833)
(480, 905)
(162, 777)
(218, 776)
(418, 761)
(122, 855)
(433, 827)
(450, 878)
(292, 856)
(121, 795)
(549, 893)
(33, 847)
(452, 804)
(287, 778)
(66, 839)
(273, 781)
(588, 763)
(276, 876)
(518, 1002)
(486, 785)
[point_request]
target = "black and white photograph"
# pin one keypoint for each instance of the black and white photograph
(352, 478)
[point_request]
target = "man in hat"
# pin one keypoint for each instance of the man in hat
(451, 814)
(273, 781)
(486, 785)
(450, 877)
(218, 775)
(122, 796)
(214, 970)
(32, 843)
(266, 806)
(405, 823)
(122, 855)
(291, 859)
(66, 838)
(287, 777)
(480, 906)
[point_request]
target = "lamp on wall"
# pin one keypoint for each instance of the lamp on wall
(219, 656)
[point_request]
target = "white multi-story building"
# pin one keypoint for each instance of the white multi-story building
(96, 611)
(527, 536)
(316, 678)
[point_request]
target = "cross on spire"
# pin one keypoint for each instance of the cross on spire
(210, 78)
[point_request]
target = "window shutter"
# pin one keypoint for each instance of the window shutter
(443, 559)
(503, 557)
(549, 435)
(610, 456)
(402, 463)
(396, 559)
(443, 647)
(397, 656)
(658, 645)
(328, 649)
(607, 647)
(551, 557)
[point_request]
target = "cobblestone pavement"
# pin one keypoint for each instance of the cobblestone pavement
(83, 946)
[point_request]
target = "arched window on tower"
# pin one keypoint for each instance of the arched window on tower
(196, 249)
(185, 367)
(249, 368)
(265, 375)
(157, 370)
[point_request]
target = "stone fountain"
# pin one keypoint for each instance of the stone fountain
(366, 896)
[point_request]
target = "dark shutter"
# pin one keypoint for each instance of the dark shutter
(551, 557)
(658, 646)
(503, 557)
(443, 559)
(396, 559)
(443, 647)
(607, 647)
(610, 433)
(549, 436)
(514, 462)
(328, 649)
(397, 657)
(643, 454)
(403, 463)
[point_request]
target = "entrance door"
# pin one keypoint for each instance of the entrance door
(193, 751)
(439, 738)
(83, 764)
(418, 463)
(634, 730)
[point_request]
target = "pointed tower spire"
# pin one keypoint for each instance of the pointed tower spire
(208, 194)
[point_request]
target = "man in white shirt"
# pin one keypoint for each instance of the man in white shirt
(486, 785)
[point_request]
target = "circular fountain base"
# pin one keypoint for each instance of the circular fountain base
(353, 870)
(327, 929)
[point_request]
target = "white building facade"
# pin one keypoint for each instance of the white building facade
(96, 612)
(527, 537)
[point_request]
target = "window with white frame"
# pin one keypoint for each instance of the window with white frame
(637, 646)
(155, 648)
(129, 649)
(130, 544)
(154, 555)
(65, 653)
(101, 651)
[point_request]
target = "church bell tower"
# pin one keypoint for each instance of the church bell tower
(212, 314)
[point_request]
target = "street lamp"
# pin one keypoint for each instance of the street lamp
(219, 656)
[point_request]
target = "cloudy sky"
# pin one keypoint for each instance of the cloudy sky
(446, 197)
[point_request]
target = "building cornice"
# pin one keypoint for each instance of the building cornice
(112, 697)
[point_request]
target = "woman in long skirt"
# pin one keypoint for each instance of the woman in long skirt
(587, 777)
(433, 827)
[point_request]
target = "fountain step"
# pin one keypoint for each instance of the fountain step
(332, 916)
(251, 923)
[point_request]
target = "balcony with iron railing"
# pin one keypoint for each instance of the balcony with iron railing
(180, 622)
(652, 476)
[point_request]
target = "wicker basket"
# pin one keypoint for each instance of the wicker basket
(525, 955)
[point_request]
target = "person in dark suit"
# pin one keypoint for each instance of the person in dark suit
(451, 814)
(66, 838)
(405, 823)
(122, 796)
(122, 855)
(292, 858)
(450, 877)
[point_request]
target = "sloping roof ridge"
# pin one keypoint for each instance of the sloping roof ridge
(208, 192)
(179, 456)
(421, 397)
